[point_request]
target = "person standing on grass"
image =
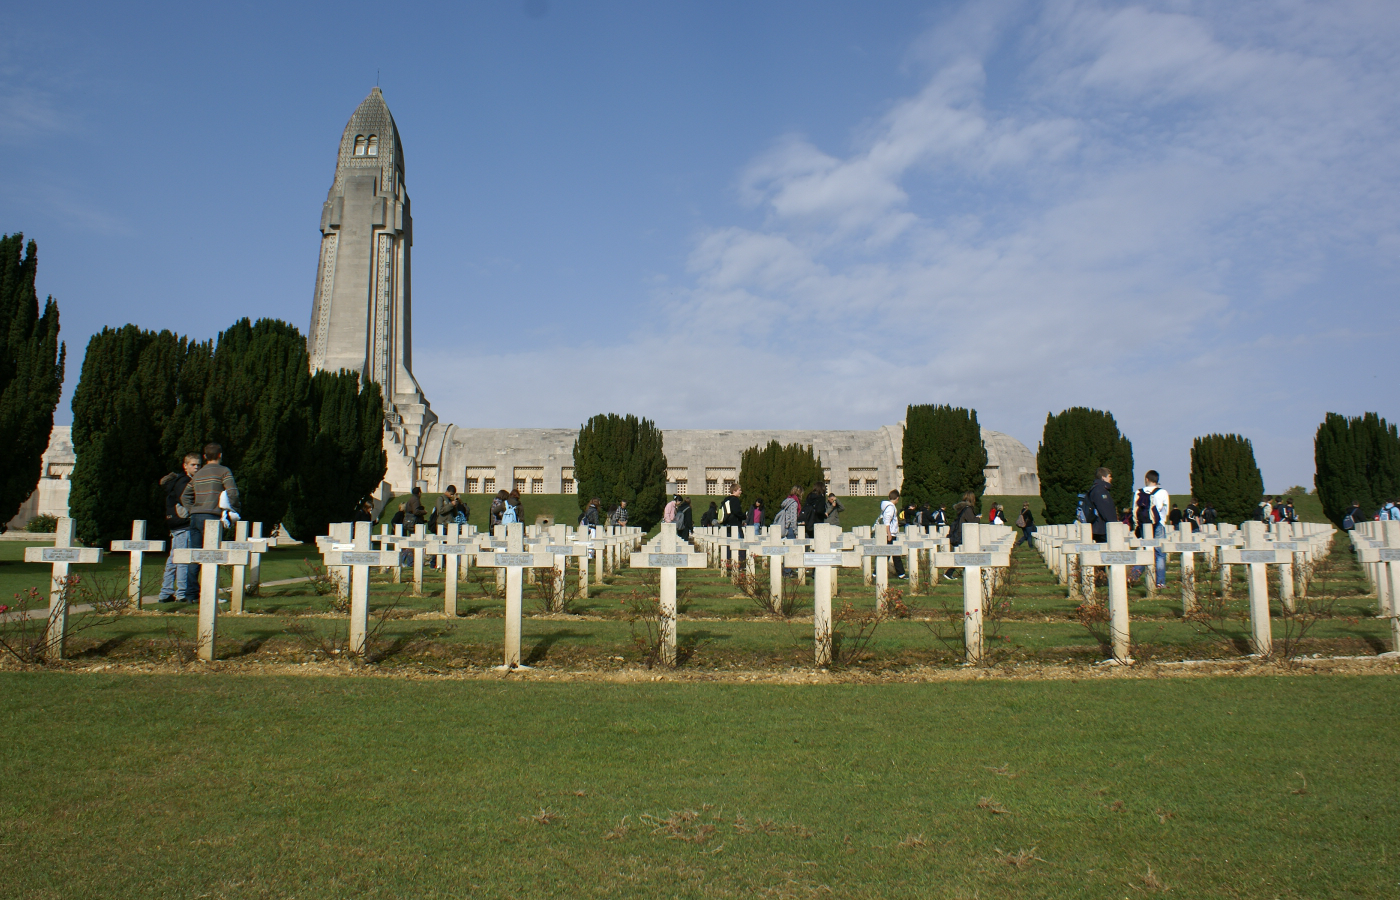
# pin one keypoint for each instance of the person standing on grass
(1097, 507)
(178, 582)
(1152, 516)
(833, 510)
(710, 516)
(814, 509)
(589, 517)
(732, 513)
(889, 527)
(669, 513)
(785, 520)
(756, 515)
(1026, 522)
(201, 494)
(684, 521)
(498, 508)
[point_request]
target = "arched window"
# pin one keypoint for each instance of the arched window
(360, 145)
(374, 145)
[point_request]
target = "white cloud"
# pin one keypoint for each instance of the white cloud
(1138, 222)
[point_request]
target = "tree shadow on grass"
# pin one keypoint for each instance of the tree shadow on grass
(540, 651)
(104, 648)
(252, 645)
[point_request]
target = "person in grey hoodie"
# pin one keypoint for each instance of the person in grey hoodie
(201, 495)
(833, 510)
(786, 519)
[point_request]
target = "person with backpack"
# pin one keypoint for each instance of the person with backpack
(684, 522)
(1096, 507)
(732, 513)
(205, 489)
(1152, 515)
(939, 518)
(964, 513)
(889, 522)
(785, 520)
(1289, 514)
(1390, 512)
(510, 510)
(1026, 522)
(498, 508)
(668, 514)
(710, 516)
(1208, 516)
(1265, 511)
(179, 582)
(589, 517)
(1352, 516)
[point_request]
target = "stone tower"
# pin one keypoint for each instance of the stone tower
(361, 315)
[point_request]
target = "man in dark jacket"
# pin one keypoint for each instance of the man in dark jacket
(179, 583)
(684, 518)
(732, 513)
(814, 509)
(1100, 505)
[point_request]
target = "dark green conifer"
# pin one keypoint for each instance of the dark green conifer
(1358, 459)
(1074, 445)
(1223, 472)
(943, 456)
(621, 458)
(344, 460)
(768, 473)
(31, 373)
(122, 407)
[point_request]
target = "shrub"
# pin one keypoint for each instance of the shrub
(621, 458)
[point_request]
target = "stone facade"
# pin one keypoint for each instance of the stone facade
(50, 498)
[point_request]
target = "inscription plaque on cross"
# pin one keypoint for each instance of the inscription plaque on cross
(357, 559)
(776, 551)
(60, 556)
(209, 558)
(137, 546)
(513, 559)
(1118, 557)
(972, 559)
(668, 553)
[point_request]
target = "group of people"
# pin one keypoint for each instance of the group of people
(202, 491)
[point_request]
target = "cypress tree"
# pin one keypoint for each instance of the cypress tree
(1223, 472)
(344, 461)
(31, 373)
(122, 407)
(1073, 446)
(943, 456)
(1358, 459)
(621, 458)
(769, 473)
(255, 404)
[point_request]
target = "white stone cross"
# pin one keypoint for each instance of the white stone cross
(137, 546)
(777, 549)
(1384, 554)
(514, 560)
(1258, 556)
(256, 547)
(457, 545)
(419, 544)
(1185, 544)
(880, 552)
(208, 558)
(339, 533)
(825, 560)
(1116, 555)
(972, 559)
(557, 544)
(667, 553)
(358, 558)
(60, 556)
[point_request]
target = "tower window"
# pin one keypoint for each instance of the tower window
(374, 145)
(359, 145)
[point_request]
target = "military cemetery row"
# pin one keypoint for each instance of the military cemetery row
(548, 556)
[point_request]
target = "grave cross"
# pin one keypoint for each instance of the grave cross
(1258, 556)
(972, 559)
(256, 547)
(880, 552)
(1188, 548)
(824, 560)
(1384, 553)
(776, 550)
(1116, 555)
(137, 546)
(209, 558)
(419, 544)
(557, 543)
(668, 553)
(458, 543)
(60, 556)
(514, 560)
(357, 557)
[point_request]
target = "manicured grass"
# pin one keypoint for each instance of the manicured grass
(221, 786)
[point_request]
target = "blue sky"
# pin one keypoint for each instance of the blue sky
(759, 214)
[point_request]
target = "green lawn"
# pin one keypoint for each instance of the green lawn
(221, 786)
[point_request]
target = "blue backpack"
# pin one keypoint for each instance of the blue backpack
(508, 516)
